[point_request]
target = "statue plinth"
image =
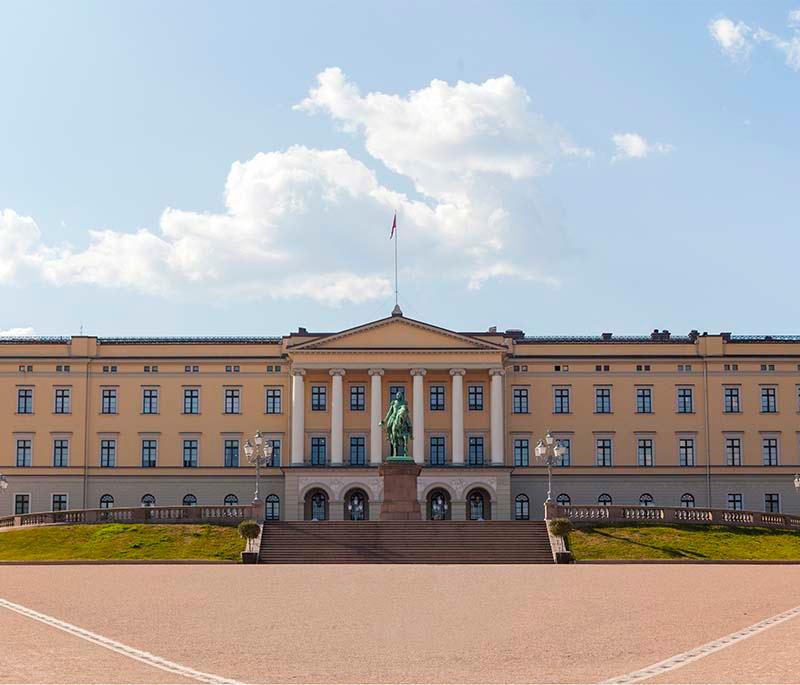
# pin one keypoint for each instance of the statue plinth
(400, 489)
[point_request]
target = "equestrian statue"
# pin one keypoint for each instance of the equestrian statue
(398, 426)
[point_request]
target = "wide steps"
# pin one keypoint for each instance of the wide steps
(405, 542)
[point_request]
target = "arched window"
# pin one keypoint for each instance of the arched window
(148, 501)
(646, 500)
(439, 505)
(563, 499)
(272, 512)
(316, 505)
(687, 499)
(475, 506)
(522, 508)
(605, 500)
(106, 502)
(189, 500)
(231, 500)
(356, 506)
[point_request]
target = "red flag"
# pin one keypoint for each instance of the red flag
(394, 226)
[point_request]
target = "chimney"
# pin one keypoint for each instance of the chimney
(607, 336)
(492, 329)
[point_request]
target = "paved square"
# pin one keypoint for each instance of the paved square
(346, 624)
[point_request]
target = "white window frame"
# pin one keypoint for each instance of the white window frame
(14, 503)
(53, 494)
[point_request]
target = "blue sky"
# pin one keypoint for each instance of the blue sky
(232, 168)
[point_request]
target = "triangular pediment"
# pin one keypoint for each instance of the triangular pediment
(397, 332)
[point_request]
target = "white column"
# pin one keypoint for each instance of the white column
(496, 425)
(375, 431)
(298, 416)
(457, 439)
(418, 415)
(337, 416)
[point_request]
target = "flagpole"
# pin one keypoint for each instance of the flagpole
(396, 233)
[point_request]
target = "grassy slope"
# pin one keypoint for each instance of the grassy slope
(121, 541)
(683, 542)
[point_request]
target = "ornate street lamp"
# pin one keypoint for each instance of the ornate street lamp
(3, 483)
(796, 482)
(549, 452)
(258, 454)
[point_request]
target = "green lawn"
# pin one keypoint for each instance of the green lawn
(683, 542)
(121, 541)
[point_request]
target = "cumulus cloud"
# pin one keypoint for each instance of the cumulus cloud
(312, 223)
(737, 39)
(635, 146)
(17, 333)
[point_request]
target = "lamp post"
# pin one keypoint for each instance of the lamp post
(548, 452)
(3, 484)
(796, 483)
(258, 453)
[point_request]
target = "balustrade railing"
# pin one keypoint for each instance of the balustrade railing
(179, 514)
(601, 514)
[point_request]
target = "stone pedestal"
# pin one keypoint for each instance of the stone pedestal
(400, 490)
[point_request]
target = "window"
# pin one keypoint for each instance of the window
(644, 452)
(733, 451)
(358, 400)
(149, 453)
(273, 401)
(436, 397)
(436, 450)
(230, 500)
(768, 367)
(276, 451)
(644, 400)
(22, 504)
(148, 501)
(686, 451)
(475, 506)
(769, 401)
(63, 404)
(522, 508)
(319, 398)
(358, 451)
(772, 503)
(60, 502)
(150, 401)
(318, 451)
(108, 453)
(520, 401)
(232, 400)
(475, 397)
(563, 499)
(684, 367)
(108, 403)
(731, 367)
(602, 400)
(687, 500)
(191, 400)
(230, 449)
(605, 500)
(643, 367)
(522, 453)
(60, 452)
(394, 390)
(603, 451)
(735, 501)
(731, 404)
(25, 401)
(646, 500)
(272, 511)
(106, 502)
(685, 403)
(561, 401)
(24, 452)
(190, 449)
(566, 458)
(769, 451)
(189, 500)
(475, 450)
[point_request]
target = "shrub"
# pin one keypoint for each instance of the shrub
(560, 527)
(249, 530)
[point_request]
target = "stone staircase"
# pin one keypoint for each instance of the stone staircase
(405, 542)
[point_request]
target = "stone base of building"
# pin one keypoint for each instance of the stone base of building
(400, 491)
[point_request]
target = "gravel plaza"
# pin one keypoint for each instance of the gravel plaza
(586, 623)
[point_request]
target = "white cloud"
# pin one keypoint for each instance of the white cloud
(635, 146)
(737, 39)
(314, 223)
(733, 38)
(17, 333)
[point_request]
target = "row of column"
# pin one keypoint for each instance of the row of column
(496, 441)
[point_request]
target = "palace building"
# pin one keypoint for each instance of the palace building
(695, 420)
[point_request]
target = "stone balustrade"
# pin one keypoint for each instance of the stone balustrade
(178, 514)
(599, 514)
